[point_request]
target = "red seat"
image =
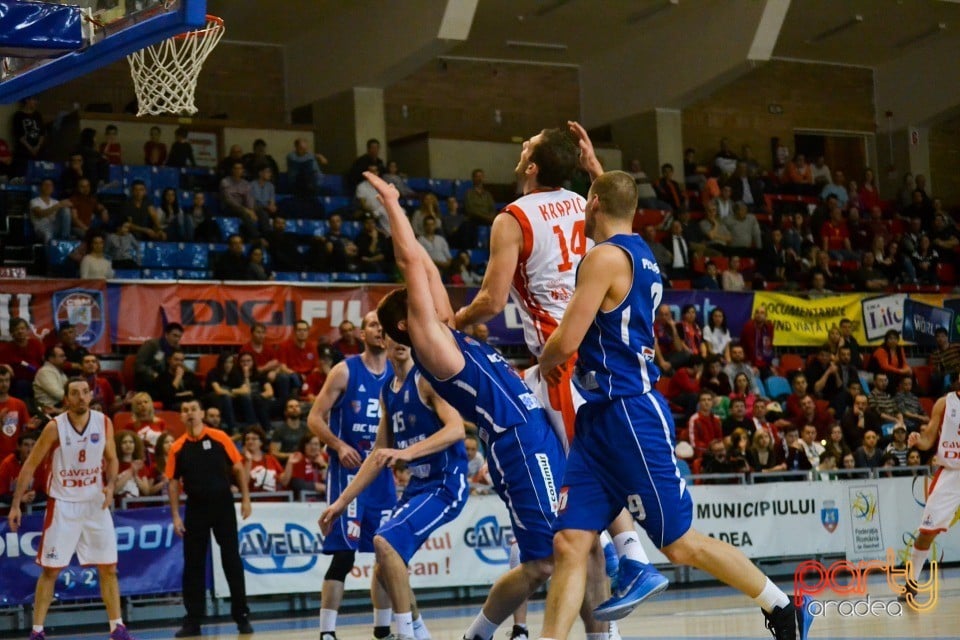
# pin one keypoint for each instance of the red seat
(681, 284)
(922, 374)
(123, 419)
(643, 217)
(946, 273)
(205, 364)
(790, 362)
(927, 405)
(128, 373)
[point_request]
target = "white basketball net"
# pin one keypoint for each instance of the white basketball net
(165, 74)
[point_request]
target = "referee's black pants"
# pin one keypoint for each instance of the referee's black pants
(200, 519)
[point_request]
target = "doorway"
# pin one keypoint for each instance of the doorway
(847, 153)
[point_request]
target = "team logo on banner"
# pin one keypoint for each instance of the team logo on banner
(829, 515)
(82, 308)
(293, 550)
(490, 540)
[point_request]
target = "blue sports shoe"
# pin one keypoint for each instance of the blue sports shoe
(636, 582)
(804, 618)
(612, 563)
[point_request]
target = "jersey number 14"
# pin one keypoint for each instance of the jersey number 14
(577, 244)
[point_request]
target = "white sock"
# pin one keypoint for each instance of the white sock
(481, 627)
(115, 623)
(38, 628)
(605, 539)
(420, 631)
(771, 597)
(382, 617)
(328, 620)
(628, 544)
(917, 559)
(404, 624)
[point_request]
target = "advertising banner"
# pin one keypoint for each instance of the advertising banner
(281, 549)
(150, 559)
(47, 304)
(798, 322)
(921, 320)
(735, 305)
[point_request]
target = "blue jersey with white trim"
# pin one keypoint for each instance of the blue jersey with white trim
(355, 416)
(411, 421)
(487, 391)
(616, 357)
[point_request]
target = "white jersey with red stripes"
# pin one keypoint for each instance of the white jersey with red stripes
(554, 242)
(76, 473)
(948, 454)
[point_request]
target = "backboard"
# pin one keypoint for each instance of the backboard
(111, 30)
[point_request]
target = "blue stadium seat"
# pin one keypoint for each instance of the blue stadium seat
(159, 274)
(194, 274)
(444, 209)
(191, 255)
(58, 251)
(310, 227)
(479, 256)
(443, 188)
(375, 277)
(186, 199)
(114, 186)
(126, 274)
(228, 226)
(39, 170)
(332, 185)
(351, 228)
(419, 184)
(287, 276)
(346, 277)
(336, 203)
(778, 387)
(461, 187)
(171, 255)
(483, 237)
(166, 178)
(133, 172)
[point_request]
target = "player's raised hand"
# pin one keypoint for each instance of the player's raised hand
(388, 192)
(913, 439)
(588, 155)
(349, 457)
(329, 516)
(13, 518)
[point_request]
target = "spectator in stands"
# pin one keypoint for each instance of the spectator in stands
(237, 199)
(10, 466)
(176, 384)
(669, 342)
(795, 457)
(825, 374)
(283, 247)
(660, 252)
(746, 189)
(944, 235)
(372, 249)
(135, 476)
(776, 257)
(848, 340)
(72, 174)
(181, 151)
(669, 190)
(757, 340)
(799, 386)
(257, 269)
(745, 238)
(882, 402)
(435, 245)
(110, 149)
(205, 228)
(868, 194)
(818, 285)
(478, 204)
(714, 378)
(913, 458)
(891, 359)
(146, 424)
(103, 393)
(681, 254)
(857, 231)
(859, 419)
(122, 248)
(50, 217)
(14, 416)
(703, 427)
(741, 390)
(371, 157)
(315, 379)
(287, 437)
(86, 211)
(305, 467)
(265, 470)
(738, 419)
(255, 162)
(143, 217)
(225, 166)
(223, 391)
(844, 400)
(175, 224)
(836, 445)
(347, 344)
(369, 202)
(878, 227)
(49, 382)
(684, 388)
(732, 279)
(724, 203)
(944, 363)
(452, 222)
(710, 280)
(738, 365)
(811, 448)
(647, 195)
(298, 355)
(154, 151)
(233, 264)
(394, 177)
(908, 404)
(693, 173)
(925, 259)
(716, 334)
(836, 237)
(868, 455)
(800, 176)
(67, 340)
(900, 268)
(303, 169)
(690, 331)
(763, 455)
(254, 393)
(158, 461)
(811, 414)
(429, 208)
(716, 459)
(821, 173)
(264, 193)
(95, 165)
(28, 135)
(869, 278)
(898, 446)
(462, 271)
(725, 160)
(24, 354)
(152, 355)
(267, 360)
(95, 265)
(836, 189)
(716, 234)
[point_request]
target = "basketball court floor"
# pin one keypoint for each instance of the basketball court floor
(678, 614)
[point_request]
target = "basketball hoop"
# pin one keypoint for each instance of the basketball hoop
(165, 74)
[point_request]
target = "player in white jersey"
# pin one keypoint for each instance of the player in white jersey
(943, 497)
(82, 476)
(536, 245)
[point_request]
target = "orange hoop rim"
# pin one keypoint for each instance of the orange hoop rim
(214, 23)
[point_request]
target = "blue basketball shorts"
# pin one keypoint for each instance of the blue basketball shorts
(423, 508)
(525, 464)
(623, 457)
(354, 530)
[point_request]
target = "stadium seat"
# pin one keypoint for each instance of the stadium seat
(479, 256)
(194, 274)
(332, 185)
(790, 362)
(777, 387)
(419, 184)
(443, 188)
(681, 284)
(166, 178)
(351, 229)
(922, 374)
(127, 372)
(39, 170)
(946, 272)
(483, 237)
(927, 405)
(644, 217)
(173, 422)
(126, 274)
(228, 226)
(205, 364)
(132, 172)
(159, 274)
(121, 419)
(58, 251)
(336, 203)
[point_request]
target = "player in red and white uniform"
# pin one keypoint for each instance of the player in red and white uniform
(943, 497)
(82, 476)
(536, 245)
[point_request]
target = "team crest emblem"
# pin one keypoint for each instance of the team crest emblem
(829, 515)
(84, 309)
(355, 405)
(94, 438)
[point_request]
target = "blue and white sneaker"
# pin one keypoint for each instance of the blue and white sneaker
(612, 564)
(636, 582)
(804, 618)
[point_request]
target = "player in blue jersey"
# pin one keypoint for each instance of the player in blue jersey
(623, 452)
(420, 429)
(346, 416)
(524, 454)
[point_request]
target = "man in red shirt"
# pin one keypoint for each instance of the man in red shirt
(24, 354)
(299, 355)
(14, 417)
(348, 344)
(810, 416)
(704, 427)
(103, 393)
(836, 236)
(10, 466)
(267, 359)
